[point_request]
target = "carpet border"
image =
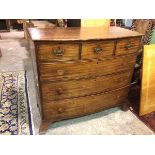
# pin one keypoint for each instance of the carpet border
(28, 104)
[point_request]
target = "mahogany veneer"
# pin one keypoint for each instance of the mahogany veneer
(80, 71)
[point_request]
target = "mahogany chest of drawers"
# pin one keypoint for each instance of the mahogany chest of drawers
(80, 71)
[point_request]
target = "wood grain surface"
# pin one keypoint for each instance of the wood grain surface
(84, 87)
(97, 50)
(80, 34)
(126, 46)
(68, 108)
(47, 51)
(147, 101)
(84, 69)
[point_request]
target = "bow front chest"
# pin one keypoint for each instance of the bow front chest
(80, 71)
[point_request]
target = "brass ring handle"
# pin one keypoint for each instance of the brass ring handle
(98, 50)
(128, 46)
(58, 52)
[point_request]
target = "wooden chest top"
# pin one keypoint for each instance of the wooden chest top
(80, 34)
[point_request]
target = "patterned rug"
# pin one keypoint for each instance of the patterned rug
(15, 118)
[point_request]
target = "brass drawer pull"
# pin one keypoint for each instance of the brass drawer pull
(128, 46)
(60, 110)
(60, 72)
(59, 91)
(58, 52)
(98, 50)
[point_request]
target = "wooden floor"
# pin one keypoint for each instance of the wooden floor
(134, 98)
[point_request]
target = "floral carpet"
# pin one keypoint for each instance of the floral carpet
(15, 117)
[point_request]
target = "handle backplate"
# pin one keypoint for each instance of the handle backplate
(58, 51)
(98, 50)
(128, 46)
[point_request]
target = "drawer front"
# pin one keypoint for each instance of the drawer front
(68, 108)
(69, 89)
(128, 45)
(84, 69)
(50, 52)
(97, 50)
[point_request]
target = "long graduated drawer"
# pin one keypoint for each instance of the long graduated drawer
(84, 69)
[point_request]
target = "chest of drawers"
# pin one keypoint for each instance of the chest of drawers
(80, 71)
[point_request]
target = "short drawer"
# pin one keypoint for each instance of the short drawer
(62, 71)
(97, 50)
(76, 88)
(58, 51)
(68, 108)
(128, 45)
